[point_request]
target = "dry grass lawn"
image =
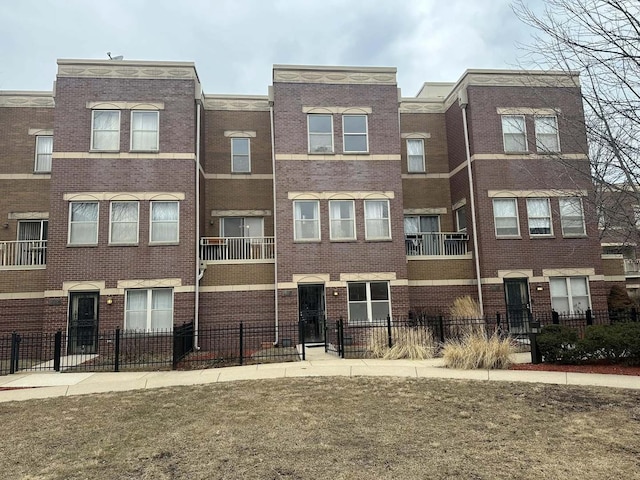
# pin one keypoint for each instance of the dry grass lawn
(339, 428)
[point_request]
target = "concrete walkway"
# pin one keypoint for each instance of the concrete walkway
(317, 364)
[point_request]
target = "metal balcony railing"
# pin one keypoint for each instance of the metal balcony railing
(23, 253)
(631, 265)
(440, 244)
(237, 248)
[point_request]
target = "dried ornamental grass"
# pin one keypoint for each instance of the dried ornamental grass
(464, 307)
(408, 343)
(478, 351)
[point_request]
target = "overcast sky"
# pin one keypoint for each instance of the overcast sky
(234, 43)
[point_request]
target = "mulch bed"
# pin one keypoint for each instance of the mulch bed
(588, 368)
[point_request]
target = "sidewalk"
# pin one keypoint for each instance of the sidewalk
(317, 365)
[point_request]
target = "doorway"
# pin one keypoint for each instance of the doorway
(83, 322)
(516, 292)
(311, 311)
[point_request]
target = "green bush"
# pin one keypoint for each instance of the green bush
(557, 344)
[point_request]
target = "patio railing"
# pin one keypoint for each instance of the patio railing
(441, 244)
(237, 248)
(23, 253)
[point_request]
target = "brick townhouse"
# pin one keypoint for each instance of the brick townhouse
(132, 199)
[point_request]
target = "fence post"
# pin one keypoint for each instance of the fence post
(535, 349)
(441, 327)
(341, 336)
(338, 339)
(116, 361)
(324, 326)
(15, 352)
(589, 314)
(241, 344)
(634, 315)
(498, 329)
(389, 331)
(555, 317)
(301, 325)
(57, 350)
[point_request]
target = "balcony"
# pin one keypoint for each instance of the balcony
(245, 249)
(440, 244)
(632, 265)
(23, 254)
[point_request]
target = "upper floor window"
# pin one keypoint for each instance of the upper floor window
(461, 219)
(44, 150)
(240, 155)
(144, 130)
(306, 220)
(124, 222)
(514, 133)
(164, 222)
(539, 213)
(415, 155)
(342, 226)
(105, 130)
(377, 225)
(505, 215)
(547, 134)
(320, 128)
(572, 216)
(83, 223)
(354, 130)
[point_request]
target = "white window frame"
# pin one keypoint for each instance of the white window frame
(495, 218)
(524, 132)
(97, 223)
(132, 147)
(111, 222)
(149, 310)
(368, 301)
(354, 134)
(539, 146)
(297, 221)
(534, 217)
(570, 294)
(93, 131)
(310, 133)
(366, 219)
(48, 155)
(234, 169)
(563, 217)
(332, 235)
(176, 221)
(461, 212)
(423, 167)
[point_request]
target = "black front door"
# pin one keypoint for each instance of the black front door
(516, 292)
(311, 310)
(83, 322)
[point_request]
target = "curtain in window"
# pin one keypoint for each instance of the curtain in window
(377, 218)
(506, 217)
(106, 130)
(513, 130)
(559, 295)
(84, 223)
(29, 230)
(341, 213)
(136, 310)
(144, 128)
(579, 294)
(161, 309)
(415, 155)
(306, 220)
(44, 150)
(124, 222)
(539, 216)
(547, 134)
(571, 216)
(164, 221)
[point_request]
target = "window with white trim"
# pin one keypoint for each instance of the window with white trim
(368, 301)
(105, 130)
(461, 219)
(505, 216)
(569, 294)
(320, 130)
(547, 139)
(164, 222)
(377, 223)
(32, 242)
(539, 215)
(149, 310)
(415, 155)
(355, 134)
(514, 133)
(123, 225)
(342, 215)
(144, 130)
(572, 217)
(83, 223)
(306, 224)
(44, 151)
(240, 155)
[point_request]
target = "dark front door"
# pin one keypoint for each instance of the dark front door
(311, 309)
(83, 322)
(516, 292)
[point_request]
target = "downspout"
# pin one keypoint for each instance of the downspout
(275, 244)
(463, 102)
(199, 273)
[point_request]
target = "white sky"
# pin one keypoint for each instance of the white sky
(234, 43)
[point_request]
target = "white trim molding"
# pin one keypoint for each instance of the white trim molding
(338, 110)
(367, 276)
(339, 195)
(527, 111)
(240, 134)
(28, 215)
(155, 283)
(415, 135)
(124, 196)
(515, 273)
(536, 193)
(569, 272)
(25, 176)
(117, 105)
(41, 131)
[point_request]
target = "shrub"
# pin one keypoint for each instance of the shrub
(619, 300)
(410, 343)
(477, 350)
(557, 344)
(619, 342)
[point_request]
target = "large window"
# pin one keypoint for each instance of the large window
(83, 223)
(320, 128)
(572, 217)
(105, 130)
(342, 226)
(164, 222)
(505, 215)
(539, 213)
(547, 134)
(354, 130)
(149, 310)
(376, 220)
(44, 150)
(569, 294)
(124, 222)
(306, 220)
(421, 235)
(240, 155)
(369, 301)
(415, 155)
(144, 130)
(514, 133)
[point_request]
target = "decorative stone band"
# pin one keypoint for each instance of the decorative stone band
(238, 176)
(28, 215)
(27, 99)
(106, 196)
(412, 105)
(240, 133)
(536, 193)
(415, 135)
(338, 110)
(527, 111)
(40, 131)
(334, 75)
(249, 103)
(345, 157)
(25, 176)
(425, 211)
(355, 195)
(125, 155)
(117, 105)
(240, 213)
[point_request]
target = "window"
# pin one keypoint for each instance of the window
(105, 130)
(149, 310)
(368, 301)
(421, 235)
(539, 213)
(376, 220)
(415, 155)
(572, 217)
(241, 227)
(505, 215)
(569, 294)
(243, 239)
(514, 133)
(354, 129)
(636, 215)
(144, 130)
(547, 134)
(320, 128)
(164, 222)
(124, 222)
(44, 150)
(240, 155)
(342, 226)
(306, 220)
(32, 242)
(461, 219)
(83, 223)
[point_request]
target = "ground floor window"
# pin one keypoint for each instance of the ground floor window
(369, 301)
(569, 294)
(149, 310)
